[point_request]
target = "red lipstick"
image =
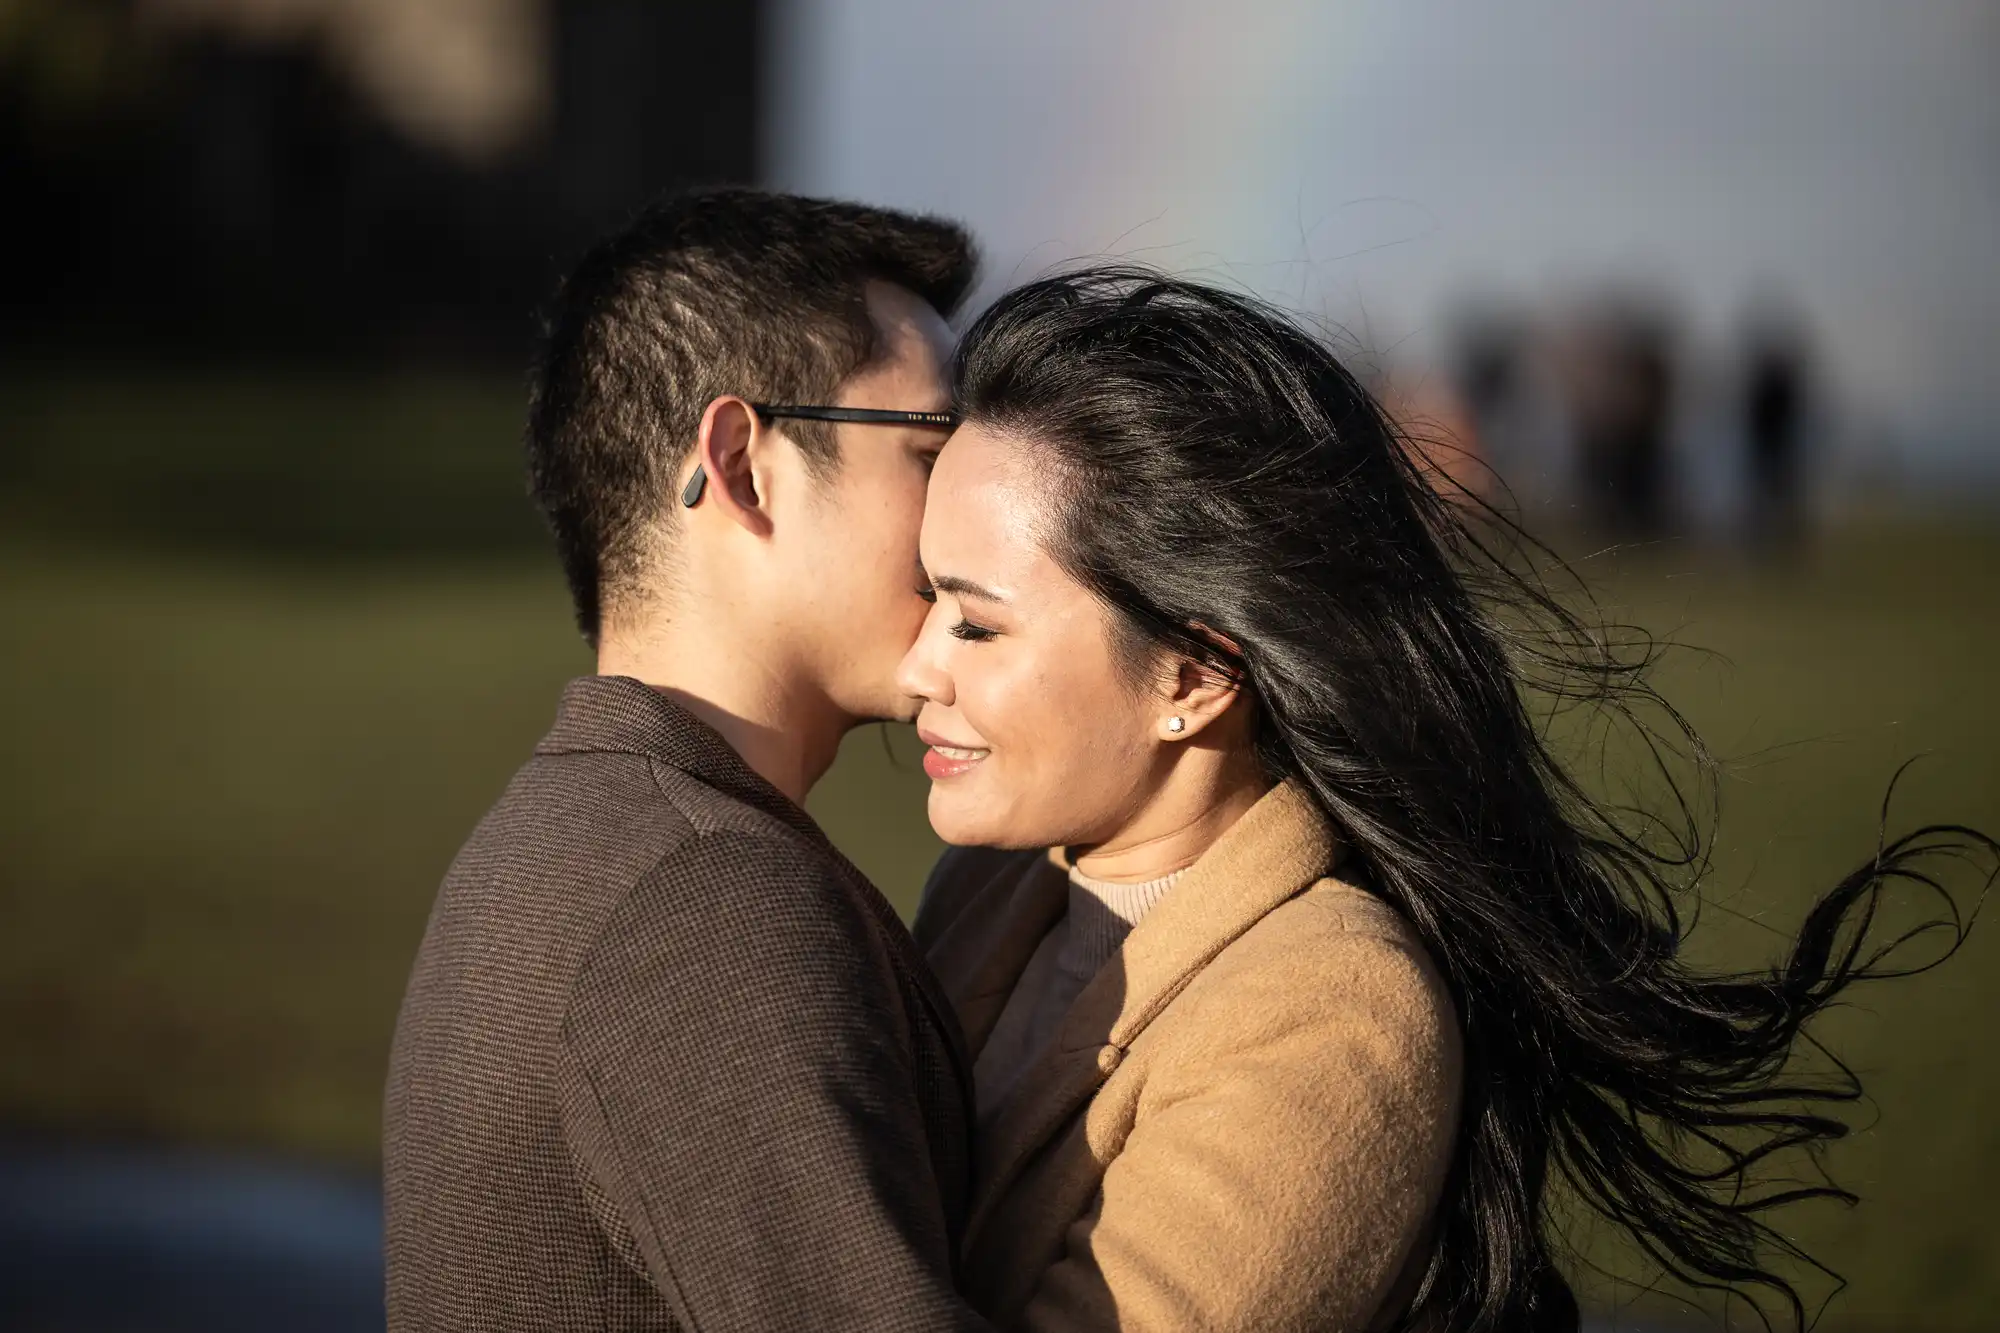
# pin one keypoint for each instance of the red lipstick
(945, 760)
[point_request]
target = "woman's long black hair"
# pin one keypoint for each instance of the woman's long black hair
(1223, 482)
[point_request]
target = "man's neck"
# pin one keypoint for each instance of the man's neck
(787, 731)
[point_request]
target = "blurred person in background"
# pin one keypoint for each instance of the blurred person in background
(1776, 388)
(1620, 389)
(666, 1059)
(1492, 380)
(1295, 967)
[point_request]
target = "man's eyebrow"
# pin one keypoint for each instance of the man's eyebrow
(959, 587)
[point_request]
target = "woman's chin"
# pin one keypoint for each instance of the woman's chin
(952, 816)
(960, 817)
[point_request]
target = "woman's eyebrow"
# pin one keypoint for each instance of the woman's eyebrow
(959, 587)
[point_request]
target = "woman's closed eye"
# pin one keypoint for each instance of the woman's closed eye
(964, 629)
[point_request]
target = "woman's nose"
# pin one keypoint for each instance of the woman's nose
(919, 675)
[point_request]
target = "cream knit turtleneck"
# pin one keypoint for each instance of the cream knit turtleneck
(1100, 915)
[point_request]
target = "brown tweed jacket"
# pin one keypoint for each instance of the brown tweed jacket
(668, 1061)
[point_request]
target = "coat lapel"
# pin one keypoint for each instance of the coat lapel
(1274, 852)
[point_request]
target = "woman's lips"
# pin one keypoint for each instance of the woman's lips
(948, 761)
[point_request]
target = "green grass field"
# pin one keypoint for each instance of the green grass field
(231, 782)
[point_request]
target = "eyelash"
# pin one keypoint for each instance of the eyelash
(964, 630)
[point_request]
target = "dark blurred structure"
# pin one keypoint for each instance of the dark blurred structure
(226, 179)
(277, 262)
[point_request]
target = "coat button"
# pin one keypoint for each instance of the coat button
(1108, 1058)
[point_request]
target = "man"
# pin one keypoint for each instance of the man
(667, 1060)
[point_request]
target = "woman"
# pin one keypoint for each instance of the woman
(1308, 964)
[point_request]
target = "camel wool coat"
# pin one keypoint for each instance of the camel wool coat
(1246, 1119)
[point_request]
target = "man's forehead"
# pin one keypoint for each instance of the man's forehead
(912, 354)
(900, 313)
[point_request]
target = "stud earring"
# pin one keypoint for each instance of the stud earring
(1176, 725)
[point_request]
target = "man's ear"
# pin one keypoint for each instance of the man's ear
(725, 452)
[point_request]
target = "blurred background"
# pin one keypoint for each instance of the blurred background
(1709, 286)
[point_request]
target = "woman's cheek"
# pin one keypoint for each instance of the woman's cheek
(1007, 708)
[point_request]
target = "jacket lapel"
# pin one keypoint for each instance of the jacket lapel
(988, 944)
(1274, 852)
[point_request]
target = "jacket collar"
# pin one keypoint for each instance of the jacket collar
(620, 715)
(1278, 849)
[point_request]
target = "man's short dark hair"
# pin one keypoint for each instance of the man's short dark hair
(731, 291)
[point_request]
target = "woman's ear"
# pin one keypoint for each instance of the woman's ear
(1199, 695)
(725, 455)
